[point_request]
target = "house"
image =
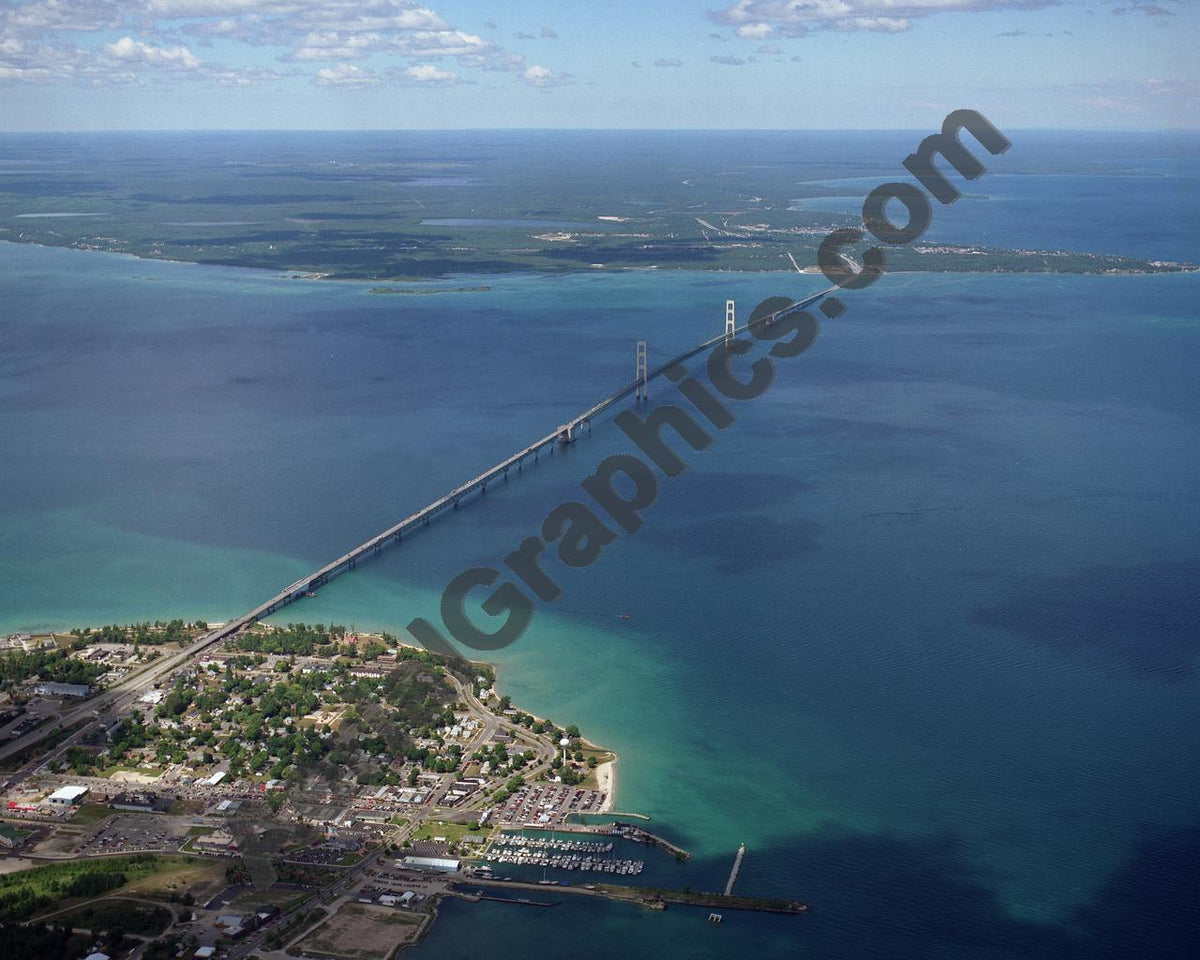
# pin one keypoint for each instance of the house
(11, 838)
(231, 925)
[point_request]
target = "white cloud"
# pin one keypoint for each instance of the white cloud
(442, 43)
(755, 31)
(346, 75)
(428, 73)
(123, 62)
(872, 24)
(134, 51)
(755, 19)
(336, 46)
(539, 76)
(296, 31)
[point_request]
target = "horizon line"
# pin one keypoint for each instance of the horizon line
(574, 130)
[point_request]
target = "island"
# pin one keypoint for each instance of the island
(397, 218)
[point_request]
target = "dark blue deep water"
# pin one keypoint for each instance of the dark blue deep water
(921, 627)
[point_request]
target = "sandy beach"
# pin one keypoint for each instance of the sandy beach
(606, 777)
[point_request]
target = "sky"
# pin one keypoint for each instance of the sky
(607, 64)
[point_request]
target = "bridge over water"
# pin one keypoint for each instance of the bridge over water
(565, 433)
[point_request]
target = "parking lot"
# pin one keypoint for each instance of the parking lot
(548, 803)
(130, 833)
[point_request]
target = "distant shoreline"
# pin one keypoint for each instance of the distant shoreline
(1148, 268)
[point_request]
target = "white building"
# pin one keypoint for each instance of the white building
(67, 796)
(438, 864)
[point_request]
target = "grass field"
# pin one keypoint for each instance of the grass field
(256, 899)
(152, 772)
(90, 813)
(50, 888)
(54, 886)
(175, 876)
(128, 915)
(452, 832)
(181, 808)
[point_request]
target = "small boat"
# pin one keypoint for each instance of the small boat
(623, 616)
(714, 918)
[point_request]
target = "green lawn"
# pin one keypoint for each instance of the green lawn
(145, 771)
(91, 813)
(453, 832)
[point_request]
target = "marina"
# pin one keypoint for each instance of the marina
(561, 854)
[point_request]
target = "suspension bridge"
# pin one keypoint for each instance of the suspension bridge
(565, 433)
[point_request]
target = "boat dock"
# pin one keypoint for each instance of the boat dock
(627, 830)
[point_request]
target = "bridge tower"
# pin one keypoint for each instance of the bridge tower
(730, 322)
(642, 392)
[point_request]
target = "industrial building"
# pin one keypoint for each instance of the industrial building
(67, 796)
(62, 689)
(438, 864)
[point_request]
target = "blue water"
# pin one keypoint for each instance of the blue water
(920, 627)
(1154, 215)
(510, 222)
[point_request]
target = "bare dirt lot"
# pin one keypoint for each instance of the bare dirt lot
(363, 931)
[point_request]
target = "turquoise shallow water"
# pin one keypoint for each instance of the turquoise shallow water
(920, 627)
